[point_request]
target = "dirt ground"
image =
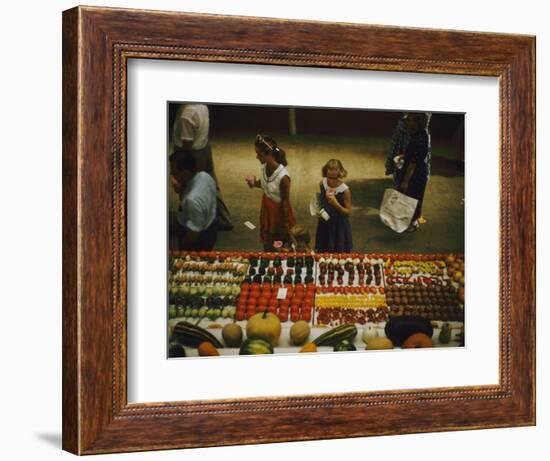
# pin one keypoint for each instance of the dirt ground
(234, 158)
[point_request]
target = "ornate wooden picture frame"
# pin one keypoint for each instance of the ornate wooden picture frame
(97, 44)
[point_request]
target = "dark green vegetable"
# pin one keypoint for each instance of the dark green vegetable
(254, 346)
(192, 335)
(345, 345)
(175, 349)
(336, 335)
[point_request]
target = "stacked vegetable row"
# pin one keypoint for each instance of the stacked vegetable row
(263, 331)
(294, 302)
(350, 291)
(205, 285)
(426, 286)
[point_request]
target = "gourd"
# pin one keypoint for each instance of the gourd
(309, 347)
(336, 335)
(207, 349)
(192, 335)
(255, 346)
(445, 333)
(264, 325)
(344, 346)
(232, 335)
(380, 343)
(299, 332)
(399, 328)
(369, 332)
(417, 340)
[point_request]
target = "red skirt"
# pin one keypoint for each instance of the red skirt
(272, 227)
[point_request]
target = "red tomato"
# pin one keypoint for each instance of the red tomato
(273, 302)
(239, 315)
(306, 316)
(283, 317)
(294, 316)
(272, 309)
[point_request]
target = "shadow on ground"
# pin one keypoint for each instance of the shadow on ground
(51, 439)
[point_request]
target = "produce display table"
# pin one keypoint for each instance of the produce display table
(211, 289)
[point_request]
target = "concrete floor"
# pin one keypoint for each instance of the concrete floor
(363, 158)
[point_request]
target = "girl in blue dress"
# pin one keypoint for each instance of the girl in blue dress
(334, 235)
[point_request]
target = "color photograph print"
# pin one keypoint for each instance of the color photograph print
(303, 230)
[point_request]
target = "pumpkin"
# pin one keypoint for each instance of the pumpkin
(417, 340)
(264, 325)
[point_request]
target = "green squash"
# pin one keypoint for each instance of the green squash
(344, 346)
(256, 346)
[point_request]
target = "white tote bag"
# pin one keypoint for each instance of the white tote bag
(397, 209)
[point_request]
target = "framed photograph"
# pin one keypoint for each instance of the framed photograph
(279, 230)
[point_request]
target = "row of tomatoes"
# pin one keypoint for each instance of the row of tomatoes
(296, 305)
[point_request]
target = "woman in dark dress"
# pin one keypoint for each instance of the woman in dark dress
(413, 177)
(334, 235)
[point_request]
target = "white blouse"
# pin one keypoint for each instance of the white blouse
(341, 188)
(272, 185)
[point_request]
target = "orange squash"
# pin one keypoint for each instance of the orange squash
(207, 349)
(418, 340)
(309, 347)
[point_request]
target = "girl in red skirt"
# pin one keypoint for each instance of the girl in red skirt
(276, 214)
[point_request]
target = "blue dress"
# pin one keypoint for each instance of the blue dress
(334, 235)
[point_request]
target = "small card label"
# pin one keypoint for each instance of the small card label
(281, 293)
(249, 225)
